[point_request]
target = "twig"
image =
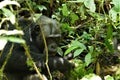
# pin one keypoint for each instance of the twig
(46, 52)
(29, 56)
(7, 58)
(27, 52)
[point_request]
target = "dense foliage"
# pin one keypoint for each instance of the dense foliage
(88, 28)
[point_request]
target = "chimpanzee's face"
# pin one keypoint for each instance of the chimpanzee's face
(51, 31)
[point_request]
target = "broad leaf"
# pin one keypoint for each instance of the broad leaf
(77, 1)
(90, 5)
(74, 17)
(82, 12)
(70, 49)
(116, 2)
(77, 47)
(88, 59)
(77, 43)
(108, 77)
(115, 10)
(113, 15)
(14, 39)
(59, 51)
(41, 7)
(65, 10)
(9, 15)
(108, 40)
(2, 43)
(8, 2)
(11, 32)
(78, 52)
(91, 48)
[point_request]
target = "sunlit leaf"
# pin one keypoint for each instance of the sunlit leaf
(77, 43)
(36, 16)
(113, 15)
(9, 15)
(41, 7)
(2, 43)
(8, 2)
(78, 52)
(77, 47)
(30, 64)
(117, 8)
(88, 59)
(77, 1)
(65, 10)
(90, 5)
(91, 48)
(74, 17)
(108, 77)
(14, 39)
(70, 49)
(85, 35)
(116, 2)
(91, 77)
(11, 32)
(59, 51)
(82, 11)
(108, 40)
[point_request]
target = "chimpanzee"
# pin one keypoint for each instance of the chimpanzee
(32, 35)
(51, 30)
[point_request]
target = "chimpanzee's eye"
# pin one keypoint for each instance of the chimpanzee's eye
(37, 28)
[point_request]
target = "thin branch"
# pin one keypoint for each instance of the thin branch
(27, 52)
(46, 52)
(7, 58)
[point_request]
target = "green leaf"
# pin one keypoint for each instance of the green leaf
(41, 7)
(3, 42)
(108, 40)
(88, 59)
(74, 17)
(77, 1)
(116, 2)
(91, 77)
(85, 35)
(14, 39)
(75, 45)
(91, 48)
(90, 5)
(7, 2)
(36, 16)
(78, 52)
(117, 8)
(78, 44)
(108, 77)
(30, 64)
(59, 51)
(113, 15)
(82, 12)
(65, 10)
(9, 15)
(70, 49)
(11, 32)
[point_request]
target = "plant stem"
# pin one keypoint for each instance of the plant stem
(46, 52)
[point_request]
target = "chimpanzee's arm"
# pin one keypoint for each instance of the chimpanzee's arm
(17, 61)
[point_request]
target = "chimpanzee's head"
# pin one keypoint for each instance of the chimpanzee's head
(51, 31)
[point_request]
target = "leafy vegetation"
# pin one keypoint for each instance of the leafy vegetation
(88, 29)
